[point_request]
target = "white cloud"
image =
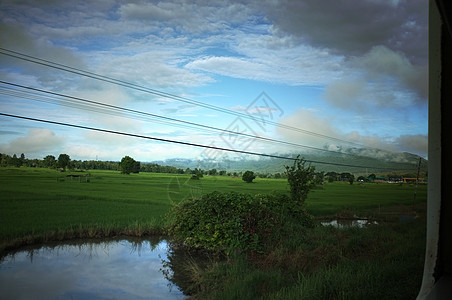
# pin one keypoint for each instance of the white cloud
(36, 141)
(311, 122)
(308, 122)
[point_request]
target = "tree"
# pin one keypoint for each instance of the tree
(351, 179)
(15, 161)
(248, 176)
(301, 180)
(129, 165)
(63, 161)
(332, 176)
(49, 161)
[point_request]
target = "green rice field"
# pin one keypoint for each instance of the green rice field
(385, 261)
(37, 201)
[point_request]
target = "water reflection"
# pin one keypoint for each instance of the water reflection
(185, 267)
(114, 269)
(344, 223)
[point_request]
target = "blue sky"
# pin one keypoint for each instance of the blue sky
(350, 71)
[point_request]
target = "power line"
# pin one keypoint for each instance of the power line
(176, 142)
(137, 87)
(114, 107)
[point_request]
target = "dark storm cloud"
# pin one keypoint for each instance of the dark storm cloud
(353, 27)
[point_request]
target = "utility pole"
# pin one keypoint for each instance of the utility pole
(417, 179)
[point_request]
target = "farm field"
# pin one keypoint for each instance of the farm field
(38, 201)
(40, 205)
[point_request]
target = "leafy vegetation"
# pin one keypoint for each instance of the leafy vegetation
(242, 222)
(129, 165)
(248, 176)
(234, 221)
(378, 262)
(301, 180)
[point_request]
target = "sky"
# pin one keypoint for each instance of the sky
(288, 76)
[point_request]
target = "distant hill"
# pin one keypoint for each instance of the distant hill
(353, 160)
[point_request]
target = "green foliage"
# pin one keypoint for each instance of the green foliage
(248, 176)
(301, 180)
(195, 177)
(234, 221)
(49, 161)
(326, 263)
(63, 161)
(351, 179)
(129, 165)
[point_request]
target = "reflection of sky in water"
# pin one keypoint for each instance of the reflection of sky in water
(348, 223)
(108, 270)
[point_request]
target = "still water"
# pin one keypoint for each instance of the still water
(345, 223)
(113, 269)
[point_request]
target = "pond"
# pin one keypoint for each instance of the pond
(344, 223)
(108, 269)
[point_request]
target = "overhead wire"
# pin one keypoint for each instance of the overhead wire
(141, 88)
(111, 80)
(172, 121)
(178, 142)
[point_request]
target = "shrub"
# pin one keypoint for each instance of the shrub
(301, 180)
(234, 221)
(195, 177)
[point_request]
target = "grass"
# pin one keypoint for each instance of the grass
(35, 201)
(379, 262)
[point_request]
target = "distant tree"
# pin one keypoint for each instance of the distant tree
(277, 175)
(198, 172)
(351, 179)
(129, 165)
(213, 172)
(63, 161)
(49, 161)
(3, 158)
(345, 176)
(248, 176)
(15, 161)
(301, 180)
(372, 177)
(319, 177)
(222, 172)
(332, 176)
(136, 168)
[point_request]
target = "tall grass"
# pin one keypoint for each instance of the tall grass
(381, 262)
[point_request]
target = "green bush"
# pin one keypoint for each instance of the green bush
(233, 221)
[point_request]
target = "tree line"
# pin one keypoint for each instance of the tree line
(63, 162)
